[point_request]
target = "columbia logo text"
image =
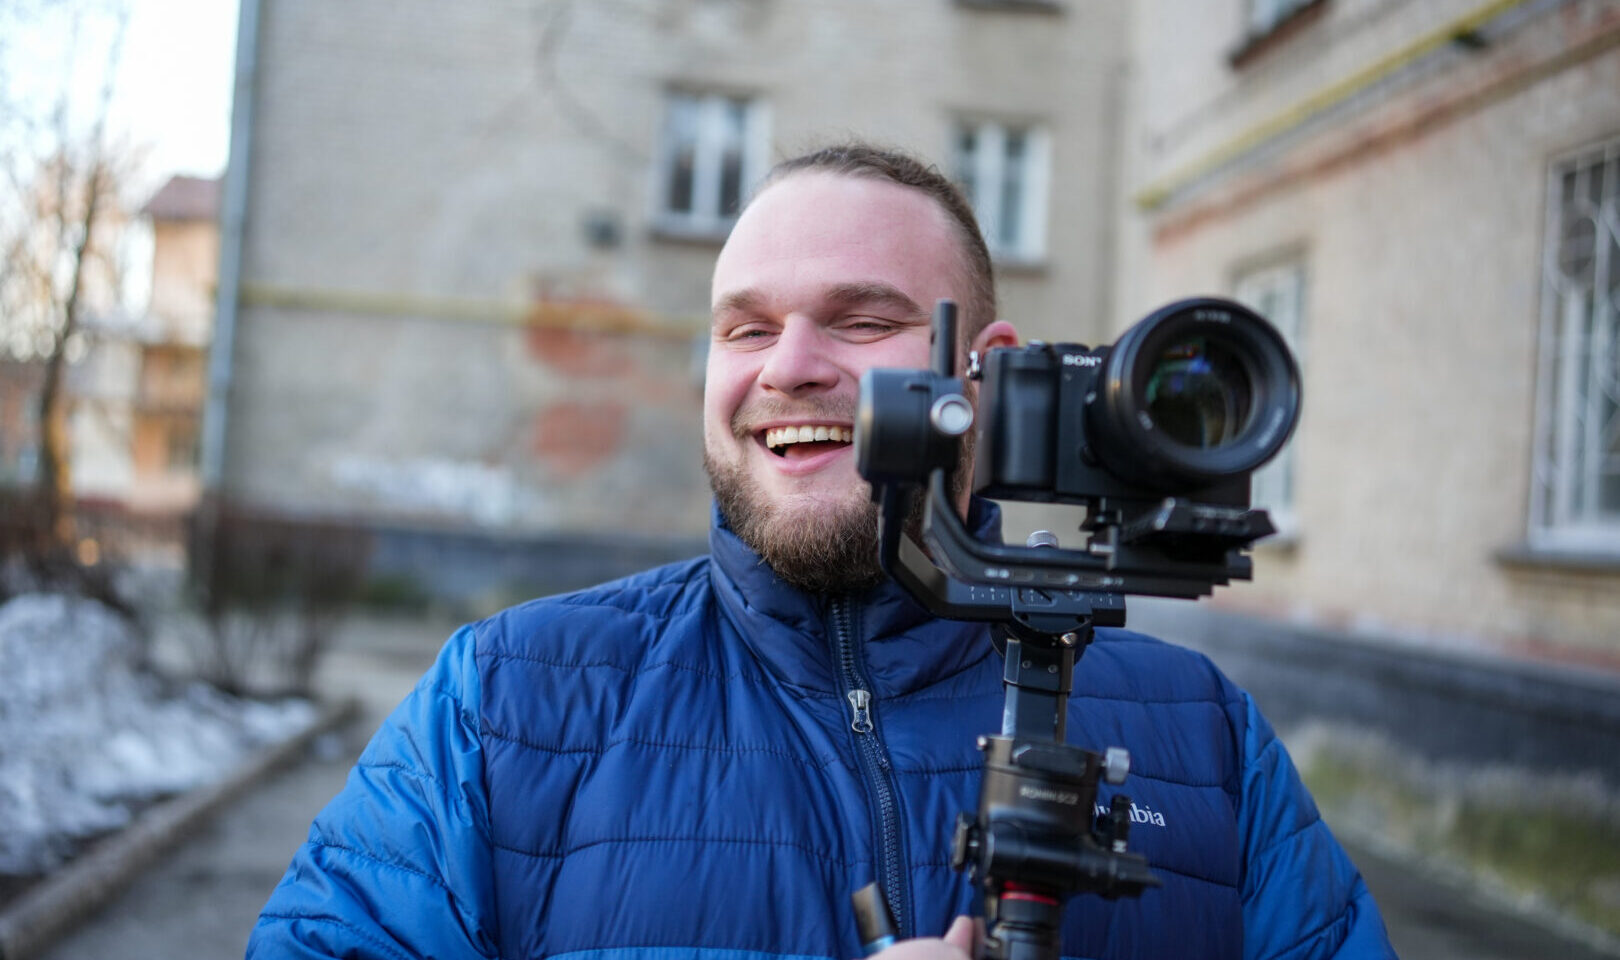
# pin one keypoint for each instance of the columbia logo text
(1139, 814)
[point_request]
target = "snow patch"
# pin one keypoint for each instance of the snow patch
(87, 734)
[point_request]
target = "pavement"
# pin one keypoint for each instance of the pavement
(201, 901)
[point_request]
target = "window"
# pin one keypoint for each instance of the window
(1576, 478)
(1267, 15)
(1277, 292)
(181, 453)
(1003, 170)
(1267, 23)
(713, 151)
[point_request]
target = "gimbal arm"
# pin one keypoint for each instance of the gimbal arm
(1034, 841)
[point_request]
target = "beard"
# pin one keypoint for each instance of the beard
(818, 548)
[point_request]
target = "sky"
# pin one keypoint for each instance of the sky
(176, 80)
(172, 89)
(170, 103)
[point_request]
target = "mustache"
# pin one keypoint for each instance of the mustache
(749, 419)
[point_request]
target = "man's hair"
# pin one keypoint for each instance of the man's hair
(877, 163)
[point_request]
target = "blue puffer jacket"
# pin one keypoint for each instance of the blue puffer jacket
(667, 767)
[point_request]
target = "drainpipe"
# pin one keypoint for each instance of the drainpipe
(203, 552)
(232, 222)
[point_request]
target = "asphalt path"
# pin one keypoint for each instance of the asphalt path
(201, 901)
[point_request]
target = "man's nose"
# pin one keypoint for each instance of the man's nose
(799, 361)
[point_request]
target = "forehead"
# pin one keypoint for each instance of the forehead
(814, 230)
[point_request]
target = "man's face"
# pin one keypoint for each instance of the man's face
(823, 278)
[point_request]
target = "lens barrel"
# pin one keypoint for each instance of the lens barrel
(1199, 391)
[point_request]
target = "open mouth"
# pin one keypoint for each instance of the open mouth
(807, 441)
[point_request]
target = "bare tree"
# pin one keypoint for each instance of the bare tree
(60, 219)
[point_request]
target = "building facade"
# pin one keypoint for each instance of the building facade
(173, 345)
(475, 240)
(1426, 197)
(467, 262)
(133, 382)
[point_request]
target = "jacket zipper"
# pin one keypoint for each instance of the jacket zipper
(875, 765)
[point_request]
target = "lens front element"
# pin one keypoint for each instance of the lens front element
(1198, 392)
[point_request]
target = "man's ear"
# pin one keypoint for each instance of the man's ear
(1000, 333)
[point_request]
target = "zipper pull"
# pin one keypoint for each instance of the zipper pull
(860, 703)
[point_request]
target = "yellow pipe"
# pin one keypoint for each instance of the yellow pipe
(1154, 195)
(599, 316)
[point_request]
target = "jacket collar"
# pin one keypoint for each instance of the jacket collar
(899, 646)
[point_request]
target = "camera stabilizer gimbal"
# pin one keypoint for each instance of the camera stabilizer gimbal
(1156, 437)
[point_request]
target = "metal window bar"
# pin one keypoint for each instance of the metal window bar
(1575, 501)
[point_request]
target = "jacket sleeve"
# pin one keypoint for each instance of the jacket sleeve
(399, 864)
(1302, 897)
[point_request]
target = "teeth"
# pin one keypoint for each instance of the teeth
(782, 436)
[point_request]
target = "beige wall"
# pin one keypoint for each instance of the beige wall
(420, 176)
(1419, 211)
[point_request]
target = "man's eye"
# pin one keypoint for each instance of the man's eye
(748, 333)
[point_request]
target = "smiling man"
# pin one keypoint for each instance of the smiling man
(706, 760)
(808, 296)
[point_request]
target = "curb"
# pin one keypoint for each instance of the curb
(1481, 895)
(44, 913)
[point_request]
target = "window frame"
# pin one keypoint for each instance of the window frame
(989, 165)
(1261, 30)
(706, 218)
(1288, 275)
(1263, 17)
(1564, 516)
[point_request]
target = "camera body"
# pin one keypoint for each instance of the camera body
(1031, 447)
(1186, 404)
(1156, 436)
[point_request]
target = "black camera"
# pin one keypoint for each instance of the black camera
(1188, 403)
(1156, 436)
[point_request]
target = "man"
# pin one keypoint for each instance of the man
(708, 758)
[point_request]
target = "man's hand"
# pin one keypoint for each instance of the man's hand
(957, 944)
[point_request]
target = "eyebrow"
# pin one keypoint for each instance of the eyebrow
(854, 293)
(878, 293)
(746, 301)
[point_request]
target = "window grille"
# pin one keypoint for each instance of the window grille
(1576, 479)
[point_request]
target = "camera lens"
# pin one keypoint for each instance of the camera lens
(1198, 392)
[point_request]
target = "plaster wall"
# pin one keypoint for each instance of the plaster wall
(426, 329)
(1422, 246)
